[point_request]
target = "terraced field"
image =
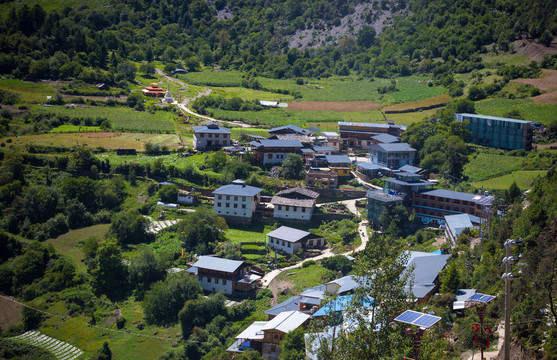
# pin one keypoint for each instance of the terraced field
(61, 350)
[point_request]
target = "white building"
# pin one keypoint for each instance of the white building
(294, 204)
(456, 224)
(289, 240)
(237, 200)
(210, 136)
(331, 139)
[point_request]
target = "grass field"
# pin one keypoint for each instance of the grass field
(250, 94)
(483, 166)
(170, 159)
(507, 59)
(523, 179)
(67, 243)
(108, 141)
(304, 277)
(542, 113)
(29, 92)
(439, 101)
(123, 119)
(236, 132)
(75, 129)
(240, 233)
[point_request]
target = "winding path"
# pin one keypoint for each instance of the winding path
(362, 230)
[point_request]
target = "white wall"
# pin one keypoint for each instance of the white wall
(200, 140)
(285, 246)
(276, 158)
(293, 212)
(221, 209)
(211, 286)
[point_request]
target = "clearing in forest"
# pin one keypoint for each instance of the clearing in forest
(340, 106)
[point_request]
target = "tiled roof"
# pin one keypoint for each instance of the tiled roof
(218, 264)
(301, 138)
(279, 200)
(299, 190)
(237, 188)
(294, 128)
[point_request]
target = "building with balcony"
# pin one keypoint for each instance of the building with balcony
(392, 155)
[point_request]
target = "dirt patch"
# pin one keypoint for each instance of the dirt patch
(340, 106)
(546, 82)
(533, 50)
(105, 135)
(10, 313)
(121, 99)
(439, 241)
(111, 320)
(277, 286)
(547, 146)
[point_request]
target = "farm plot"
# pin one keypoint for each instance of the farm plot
(108, 141)
(483, 166)
(341, 106)
(29, 92)
(123, 119)
(523, 179)
(59, 349)
(542, 113)
(413, 106)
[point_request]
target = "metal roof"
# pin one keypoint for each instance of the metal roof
(461, 296)
(338, 159)
(313, 129)
(401, 182)
(372, 166)
(488, 117)
(381, 196)
(448, 194)
(394, 147)
(345, 283)
(253, 332)
(308, 151)
(288, 234)
(290, 304)
(287, 321)
(457, 223)
(206, 130)
(238, 188)
(386, 138)
(218, 264)
(323, 148)
(277, 143)
(410, 168)
(426, 269)
(329, 134)
(344, 123)
(294, 128)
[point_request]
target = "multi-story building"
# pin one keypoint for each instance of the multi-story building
(237, 201)
(289, 130)
(360, 135)
(296, 204)
(511, 134)
(274, 152)
(455, 225)
(289, 240)
(340, 164)
(392, 155)
(232, 277)
(210, 136)
(404, 184)
(431, 206)
(321, 177)
(377, 202)
(331, 139)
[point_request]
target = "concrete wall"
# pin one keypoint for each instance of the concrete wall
(284, 246)
(293, 212)
(212, 287)
(275, 158)
(221, 209)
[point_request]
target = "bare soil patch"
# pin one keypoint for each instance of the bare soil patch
(546, 82)
(534, 50)
(121, 98)
(10, 313)
(340, 106)
(277, 286)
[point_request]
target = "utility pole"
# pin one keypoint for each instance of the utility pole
(507, 276)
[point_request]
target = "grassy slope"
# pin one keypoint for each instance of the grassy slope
(483, 166)
(528, 110)
(67, 243)
(523, 179)
(304, 277)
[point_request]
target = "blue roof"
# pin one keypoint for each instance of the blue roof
(313, 129)
(394, 147)
(448, 194)
(308, 151)
(409, 168)
(338, 159)
(206, 129)
(294, 128)
(386, 138)
(238, 188)
(218, 264)
(277, 143)
(288, 234)
(338, 305)
(323, 148)
(488, 117)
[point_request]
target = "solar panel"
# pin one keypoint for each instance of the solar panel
(418, 319)
(481, 298)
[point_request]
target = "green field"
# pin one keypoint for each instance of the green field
(542, 113)
(523, 179)
(29, 92)
(249, 233)
(250, 94)
(236, 132)
(507, 59)
(67, 243)
(485, 165)
(336, 88)
(171, 159)
(304, 278)
(75, 128)
(123, 119)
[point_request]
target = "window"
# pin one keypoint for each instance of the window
(218, 204)
(288, 244)
(283, 243)
(235, 206)
(223, 282)
(227, 197)
(287, 207)
(243, 206)
(208, 279)
(227, 205)
(235, 198)
(216, 281)
(270, 156)
(303, 210)
(294, 208)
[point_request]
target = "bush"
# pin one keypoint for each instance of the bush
(120, 322)
(308, 263)
(264, 293)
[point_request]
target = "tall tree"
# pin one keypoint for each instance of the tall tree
(110, 274)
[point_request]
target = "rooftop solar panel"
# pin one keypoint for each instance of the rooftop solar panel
(481, 298)
(418, 319)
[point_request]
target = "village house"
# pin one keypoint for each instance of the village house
(321, 178)
(339, 164)
(289, 240)
(360, 135)
(274, 152)
(330, 139)
(236, 201)
(456, 224)
(377, 202)
(210, 136)
(294, 204)
(232, 277)
(372, 170)
(289, 130)
(392, 155)
(404, 184)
